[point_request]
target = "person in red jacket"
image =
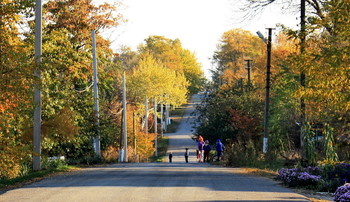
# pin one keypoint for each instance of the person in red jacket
(200, 139)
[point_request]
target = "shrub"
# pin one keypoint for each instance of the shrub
(110, 154)
(342, 194)
(48, 163)
(335, 175)
(328, 177)
(25, 169)
(12, 156)
(295, 177)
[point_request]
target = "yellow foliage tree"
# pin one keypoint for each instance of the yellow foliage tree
(150, 79)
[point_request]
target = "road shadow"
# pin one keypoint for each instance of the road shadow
(167, 174)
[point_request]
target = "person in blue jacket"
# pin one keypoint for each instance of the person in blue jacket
(200, 150)
(206, 149)
(219, 149)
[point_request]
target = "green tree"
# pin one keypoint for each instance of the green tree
(192, 71)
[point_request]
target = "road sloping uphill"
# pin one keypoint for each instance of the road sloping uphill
(177, 181)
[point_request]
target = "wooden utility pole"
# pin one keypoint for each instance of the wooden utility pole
(267, 93)
(134, 131)
(155, 127)
(248, 69)
(37, 87)
(146, 115)
(302, 76)
(161, 119)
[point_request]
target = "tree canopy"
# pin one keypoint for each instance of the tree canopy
(162, 69)
(324, 63)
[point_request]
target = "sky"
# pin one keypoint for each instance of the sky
(199, 24)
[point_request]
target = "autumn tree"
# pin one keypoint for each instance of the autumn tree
(192, 71)
(15, 87)
(237, 46)
(320, 64)
(234, 112)
(151, 79)
(67, 74)
(175, 57)
(327, 62)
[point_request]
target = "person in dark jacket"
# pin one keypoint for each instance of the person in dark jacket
(187, 153)
(207, 149)
(219, 149)
(170, 157)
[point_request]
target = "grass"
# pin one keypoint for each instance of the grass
(180, 111)
(173, 126)
(32, 177)
(262, 172)
(176, 116)
(163, 143)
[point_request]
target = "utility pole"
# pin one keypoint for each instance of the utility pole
(146, 116)
(97, 145)
(125, 122)
(167, 119)
(161, 119)
(302, 76)
(248, 69)
(155, 127)
(267, 94)
(134, 130)
(37, 87)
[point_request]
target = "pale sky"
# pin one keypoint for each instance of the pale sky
(199, 24)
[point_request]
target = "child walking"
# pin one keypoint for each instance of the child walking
(187, 153)
(170, 157)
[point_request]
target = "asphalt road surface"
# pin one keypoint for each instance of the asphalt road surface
(177, 181)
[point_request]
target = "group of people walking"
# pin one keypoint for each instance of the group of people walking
(203, 151)
(204, 148)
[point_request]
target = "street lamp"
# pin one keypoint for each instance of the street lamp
(267, 93)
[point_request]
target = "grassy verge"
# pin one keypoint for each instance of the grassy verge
(262, 172)
(32, 177)
(163, 143)
(179, 111)
(176, 116)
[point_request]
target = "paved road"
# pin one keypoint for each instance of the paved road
(177, 181)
